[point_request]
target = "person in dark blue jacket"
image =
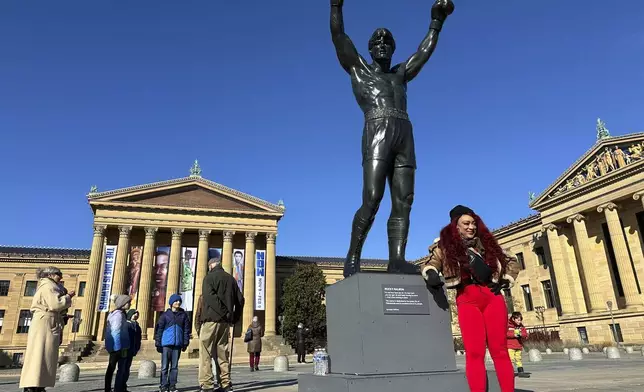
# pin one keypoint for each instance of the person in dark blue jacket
(171, 337)
(134, 330)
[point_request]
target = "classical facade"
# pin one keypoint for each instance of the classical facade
(581, 252)
(151, 241)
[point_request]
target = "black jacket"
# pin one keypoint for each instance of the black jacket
(300, 335)
(222, 299)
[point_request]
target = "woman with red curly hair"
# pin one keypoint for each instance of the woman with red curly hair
(472, 262)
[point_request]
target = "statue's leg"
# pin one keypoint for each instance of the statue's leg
(375, 174)
(402, 197)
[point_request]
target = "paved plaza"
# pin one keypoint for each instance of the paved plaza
(555, 374)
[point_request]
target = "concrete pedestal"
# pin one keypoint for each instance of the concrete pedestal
(388, 332)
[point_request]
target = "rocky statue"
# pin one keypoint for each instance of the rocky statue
(387, 140)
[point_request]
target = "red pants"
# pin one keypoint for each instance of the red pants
(483, 317)
(254, 360)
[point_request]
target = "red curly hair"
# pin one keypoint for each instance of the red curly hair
(455, 253)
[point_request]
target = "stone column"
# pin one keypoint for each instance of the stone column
(596, 298)
(631, 295)
(202, 270)
(120, 269)
(174, 270)
(227, 252)
(271, 290)
(563, 282)
(249, 279)
(145, 287)
(93, 280)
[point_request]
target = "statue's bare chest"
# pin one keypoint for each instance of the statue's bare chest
(373, 88)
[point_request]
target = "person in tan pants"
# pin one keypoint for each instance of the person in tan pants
(222, 305)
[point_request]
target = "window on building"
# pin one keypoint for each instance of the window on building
(24, 321)
(583, 335)
(617, 333)
(527, 298)
(509, 303)
(4, 288)
(30, 288)
(17, 359)
(548, 293)
(541, 255)
(81, 289)
(521, 260)
(76, 320)
(1, 319)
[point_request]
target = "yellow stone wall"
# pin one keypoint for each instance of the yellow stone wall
(19, 273)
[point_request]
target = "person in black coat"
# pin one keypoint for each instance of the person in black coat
(300, 337)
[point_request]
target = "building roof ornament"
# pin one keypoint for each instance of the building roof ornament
(93, 190)
(602, 131)
(195, 170)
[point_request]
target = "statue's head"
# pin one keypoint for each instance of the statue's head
(382, 44)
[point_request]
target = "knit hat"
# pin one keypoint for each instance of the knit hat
(121, 300)
(459, 211)
(174, 298)
(130, 313)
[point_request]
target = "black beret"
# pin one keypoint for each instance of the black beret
(459, 211)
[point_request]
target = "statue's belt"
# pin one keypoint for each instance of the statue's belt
(385, 112)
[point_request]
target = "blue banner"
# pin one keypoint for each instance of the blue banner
(260, 277)
(108, 274)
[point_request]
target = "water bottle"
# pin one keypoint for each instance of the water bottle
(324, 362)
(316, 362)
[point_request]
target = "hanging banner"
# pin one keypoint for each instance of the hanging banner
(186, 288)
(260, 278)
(238, 267)
(134, 270)
(106, 283)
(161, 259)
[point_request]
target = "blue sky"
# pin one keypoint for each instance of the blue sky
(120, 93)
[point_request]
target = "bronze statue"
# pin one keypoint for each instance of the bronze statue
(387, 140)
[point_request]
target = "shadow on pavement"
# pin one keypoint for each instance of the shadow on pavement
(257, 385)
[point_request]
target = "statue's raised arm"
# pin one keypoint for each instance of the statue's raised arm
(346, 51)
(440, 11)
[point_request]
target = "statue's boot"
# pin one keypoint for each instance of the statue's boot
(359, 232)
(397, 231)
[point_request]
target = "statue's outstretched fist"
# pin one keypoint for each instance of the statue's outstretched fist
(441, 9)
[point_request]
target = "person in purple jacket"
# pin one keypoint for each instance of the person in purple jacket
(171, 337)
(117, 343)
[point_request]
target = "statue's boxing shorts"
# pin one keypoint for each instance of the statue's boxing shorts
(388, 136)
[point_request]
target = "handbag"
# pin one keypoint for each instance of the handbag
(248, 336)
(481, 272)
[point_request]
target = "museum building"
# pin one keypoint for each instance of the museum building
(581, 253)
(153, 240)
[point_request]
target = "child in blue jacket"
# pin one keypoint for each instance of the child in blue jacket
(117, 343)
(171, 337)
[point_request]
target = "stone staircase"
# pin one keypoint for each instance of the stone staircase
(271, 347)
(76, 350)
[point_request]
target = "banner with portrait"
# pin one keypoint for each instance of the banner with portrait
(260, 279)
(161, 260)
(187, 286)
(134, 270)
(106, 282)
(238, 267)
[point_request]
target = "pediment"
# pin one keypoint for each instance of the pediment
(186, 193)
(606, 159)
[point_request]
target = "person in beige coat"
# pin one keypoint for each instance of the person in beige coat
(43, 341)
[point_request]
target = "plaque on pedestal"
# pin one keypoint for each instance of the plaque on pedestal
(388, 332)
